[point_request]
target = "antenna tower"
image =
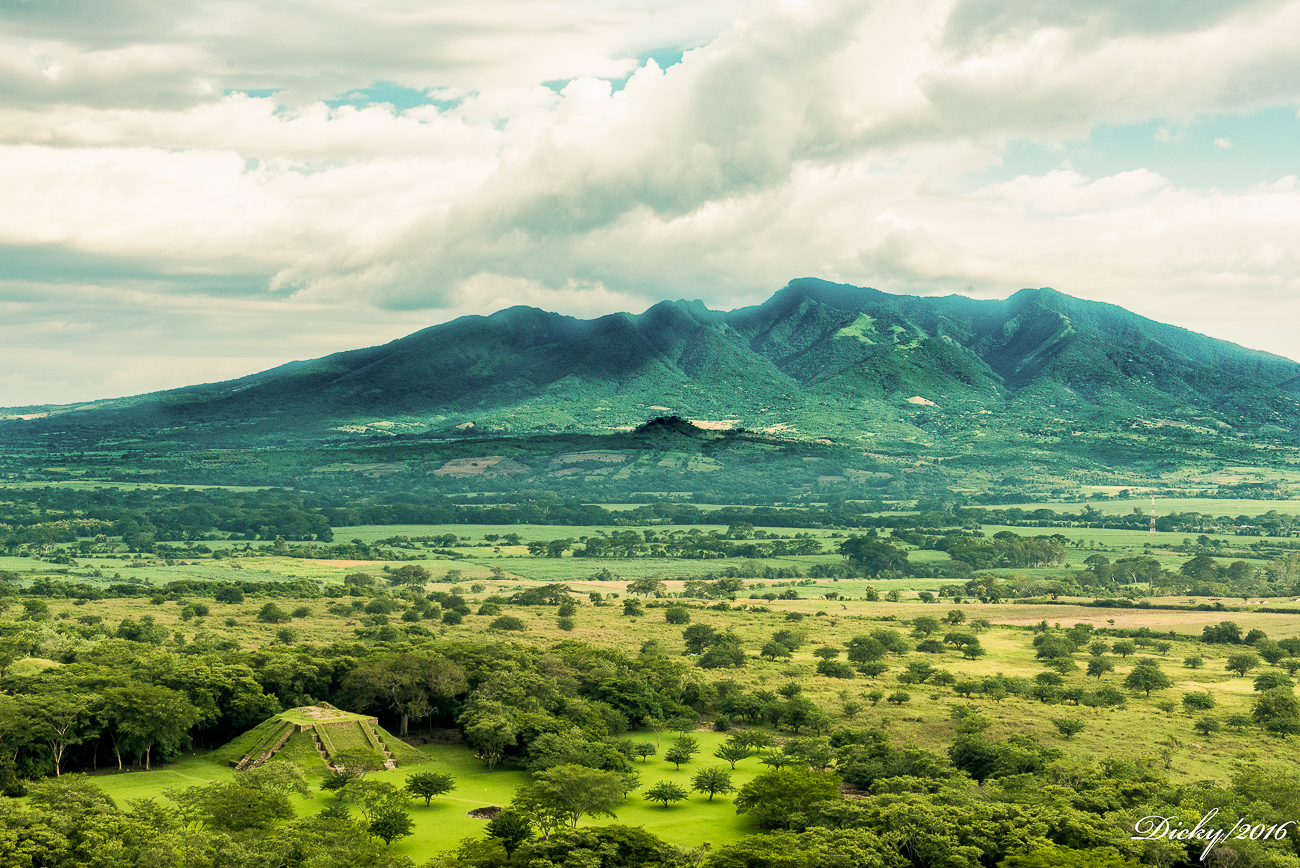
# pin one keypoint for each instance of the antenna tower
(1153, 515)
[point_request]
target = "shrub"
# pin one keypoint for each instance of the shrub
(273, 614)
(834, 669)
(508, 622)
(677, 615)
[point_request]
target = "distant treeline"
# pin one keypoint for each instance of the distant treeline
(141, 517)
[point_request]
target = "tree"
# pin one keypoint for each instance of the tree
(390, 823)
(1124, 648)
(1099, 666)
(576, 791)
(59, 719)
(644, 749)
(1196, 661)
(677, 615)
(426, 785)
(775, 796)
(773, 650)
(412, 684)
(1272, 680)
(410, 575)
(632, 608)
(865, 649)
(273, 614)
(677, 755)
(231, 806)
(899, 697)
(1207, 726)
(1146, 676)
(508, 623)
(145, 716)
(1241, 663)
(665, 792)
(699, 637)
(1277, 710)
(874, 556)
(490, 735)
(1068, 726)
(511, 828)
(924, 625)
(539, 809)
(712, 780)
(1056, 856)
(732, 751)
(648, 586)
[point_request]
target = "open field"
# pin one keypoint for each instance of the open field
(326, 623)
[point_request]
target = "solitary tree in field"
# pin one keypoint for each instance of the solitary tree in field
(773, 650)
(1068, 726)
(1207, 726)
(1099, 666)
(644, 749)
(677, 755)
(426, 785)
(1146, 676)
(650, 585)
(576, 791)
(1241, 663)
(713, 780)
(666, 792)
(732, 751)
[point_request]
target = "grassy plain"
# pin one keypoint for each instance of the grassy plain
(1140, 730)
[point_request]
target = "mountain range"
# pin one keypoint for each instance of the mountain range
(890, 372)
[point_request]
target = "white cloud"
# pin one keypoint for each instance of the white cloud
(832, 139)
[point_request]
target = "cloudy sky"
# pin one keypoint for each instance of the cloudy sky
(193, 190)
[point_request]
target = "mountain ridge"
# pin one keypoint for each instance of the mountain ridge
(815, 359)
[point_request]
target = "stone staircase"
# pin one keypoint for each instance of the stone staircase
(389, 762)
(255, 758)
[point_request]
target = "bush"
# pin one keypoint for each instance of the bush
(677, 615)
(508, 622)
(273, 614)
(834, 669)
(1207, 726)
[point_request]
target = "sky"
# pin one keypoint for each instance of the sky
(191, 191)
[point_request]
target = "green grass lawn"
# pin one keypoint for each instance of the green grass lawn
(444, 823)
